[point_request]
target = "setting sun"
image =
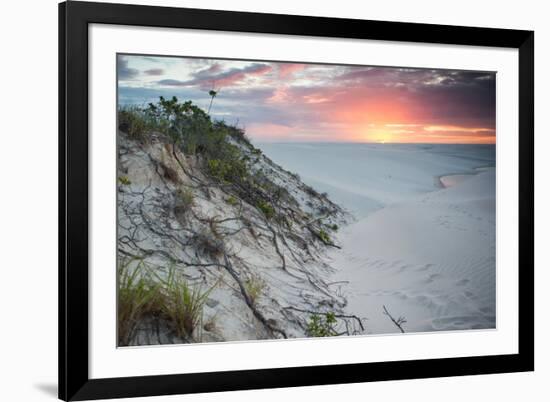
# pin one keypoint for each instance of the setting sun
(295, 102)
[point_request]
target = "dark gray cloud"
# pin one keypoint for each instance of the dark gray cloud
(154, 71)
(124, 72)
(213, 77)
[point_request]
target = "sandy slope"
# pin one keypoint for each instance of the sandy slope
(424, 251)
(431, 260)
(262, 274)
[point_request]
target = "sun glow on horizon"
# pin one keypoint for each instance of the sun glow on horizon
(421, 133)
(279, 101)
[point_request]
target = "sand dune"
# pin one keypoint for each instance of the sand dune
(431, 260)
(424, 241)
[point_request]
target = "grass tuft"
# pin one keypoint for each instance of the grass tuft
(183, 304)
(138, 296)
(184, 201)
(254, 286)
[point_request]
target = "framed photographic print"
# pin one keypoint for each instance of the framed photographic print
(257, 200)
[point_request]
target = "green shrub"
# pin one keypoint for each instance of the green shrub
(266, 208)
(132, 121)
(322, 325)
(184, 123)
(124, 180)
(228, 170)
(324, 236)
(231, 200)
(334, 227)
(217, 168)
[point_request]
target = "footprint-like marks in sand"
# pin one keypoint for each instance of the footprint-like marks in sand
(432, 278)
(395, 263)
(424, 267)
(398, 266)
(405, 267)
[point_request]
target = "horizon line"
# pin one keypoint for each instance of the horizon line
(374, 142)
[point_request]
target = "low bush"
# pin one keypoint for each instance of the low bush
(227, 170)
(322, 325)
(231, 200)
(266, 208)
(124, 180)
(323, 235)
(131, 120)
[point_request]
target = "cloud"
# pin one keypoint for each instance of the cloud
(212, 77)
(286, 70)
(339, 102)
(154, 71)
(124, 72)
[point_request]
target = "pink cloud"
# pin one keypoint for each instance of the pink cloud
(286, 70)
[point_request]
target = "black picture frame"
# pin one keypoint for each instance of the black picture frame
(74, 18)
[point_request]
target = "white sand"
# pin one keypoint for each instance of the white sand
(425, 252)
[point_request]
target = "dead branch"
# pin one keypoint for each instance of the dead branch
(398, 323)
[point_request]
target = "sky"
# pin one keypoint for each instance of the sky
(287, 102)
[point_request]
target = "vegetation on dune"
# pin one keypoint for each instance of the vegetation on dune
(323, 235)
(184, 201)
(144, 294)
(226, 159)
(138, 297)
(132, 121)
(216, 143)
(183, 304)
(254, 286)
(266, 208)
(124, 180)
(231, 200)
(322, 325)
